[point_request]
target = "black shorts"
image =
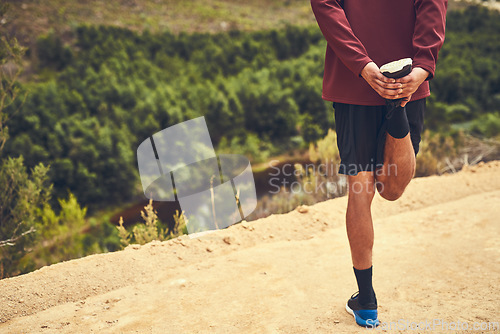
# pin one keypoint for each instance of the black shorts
(361, 134)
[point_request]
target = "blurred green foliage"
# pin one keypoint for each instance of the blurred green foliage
(467, 78)
(113, 88)
(32, 234)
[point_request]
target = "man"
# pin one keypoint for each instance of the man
(376, 151)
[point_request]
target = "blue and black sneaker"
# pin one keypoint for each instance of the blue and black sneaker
(365, 315)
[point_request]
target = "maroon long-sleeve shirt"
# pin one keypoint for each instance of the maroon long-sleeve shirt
(360, 31)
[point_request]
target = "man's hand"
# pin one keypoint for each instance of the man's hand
(410, 83)
(386, 87)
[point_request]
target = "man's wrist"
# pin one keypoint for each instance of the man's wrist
(422, 73)
(365, 67)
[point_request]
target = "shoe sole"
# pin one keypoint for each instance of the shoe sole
(348, 309)
(397, 69)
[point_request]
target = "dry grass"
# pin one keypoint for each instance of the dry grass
(150, 230)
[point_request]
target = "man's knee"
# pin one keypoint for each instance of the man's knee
(391, 195)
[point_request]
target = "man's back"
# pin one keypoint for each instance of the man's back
(360, 31)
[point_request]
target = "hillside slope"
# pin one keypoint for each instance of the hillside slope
(436, 256)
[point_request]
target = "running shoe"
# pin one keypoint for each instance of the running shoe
(365, 315)
(395, 69)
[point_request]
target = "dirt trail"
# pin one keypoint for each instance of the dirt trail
(436, 256)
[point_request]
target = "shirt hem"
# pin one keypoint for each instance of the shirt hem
(370, 102)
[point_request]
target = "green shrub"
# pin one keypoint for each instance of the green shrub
(436, 150)
(487, 125)
(22, 198)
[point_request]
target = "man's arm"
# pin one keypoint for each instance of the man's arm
(428, 37)
(338, 33)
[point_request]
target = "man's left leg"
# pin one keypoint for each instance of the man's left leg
(401, 147)
(398, 169)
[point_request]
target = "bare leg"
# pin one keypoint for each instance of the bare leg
(359, 219)
(398, 169)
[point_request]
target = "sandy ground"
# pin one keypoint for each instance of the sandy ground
(436, 258)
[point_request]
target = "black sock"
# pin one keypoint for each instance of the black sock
(364, 279)
(397, 125)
